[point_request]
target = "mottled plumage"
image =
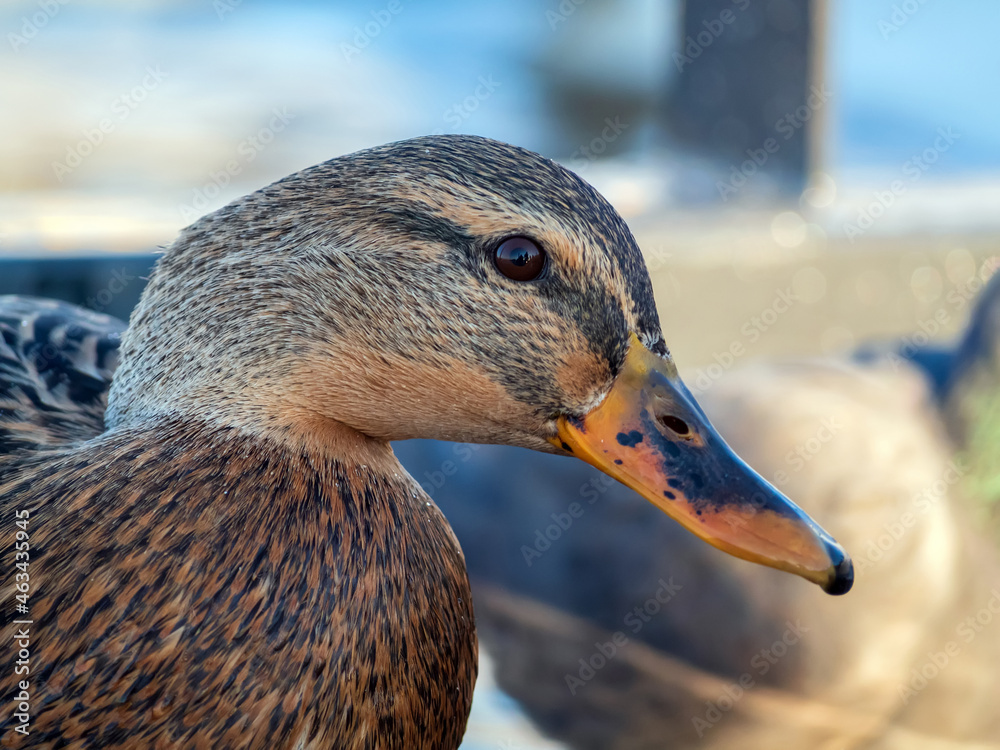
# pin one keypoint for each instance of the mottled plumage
(231, 589)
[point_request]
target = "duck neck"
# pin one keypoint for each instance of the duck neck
(268, 479)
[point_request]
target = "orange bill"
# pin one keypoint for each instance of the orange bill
(650, 434)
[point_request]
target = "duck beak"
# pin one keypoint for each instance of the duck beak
(650, 434)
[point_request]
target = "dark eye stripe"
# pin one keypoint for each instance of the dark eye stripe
(519, 258)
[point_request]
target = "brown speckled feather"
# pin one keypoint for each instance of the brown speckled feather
(196, 589)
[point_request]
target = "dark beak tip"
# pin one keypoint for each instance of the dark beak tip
(843, 574)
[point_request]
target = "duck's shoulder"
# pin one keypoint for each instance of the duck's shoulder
(248, 580)
(56, 363)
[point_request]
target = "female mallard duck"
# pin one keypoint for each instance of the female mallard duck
(237, 559)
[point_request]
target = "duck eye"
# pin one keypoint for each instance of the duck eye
(519, 258)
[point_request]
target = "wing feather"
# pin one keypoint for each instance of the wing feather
(56, 363)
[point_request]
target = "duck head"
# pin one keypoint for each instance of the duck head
(455, 288)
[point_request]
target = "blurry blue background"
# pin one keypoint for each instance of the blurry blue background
(898, 86)
(548, 76)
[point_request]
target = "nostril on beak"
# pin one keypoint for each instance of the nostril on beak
(675, 425)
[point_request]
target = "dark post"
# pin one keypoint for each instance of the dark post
(748, 89)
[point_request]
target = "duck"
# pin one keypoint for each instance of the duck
(964, 379)
(971, 404)
(230, 554)
(736, 658)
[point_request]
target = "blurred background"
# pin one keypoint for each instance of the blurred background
(805, 178)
